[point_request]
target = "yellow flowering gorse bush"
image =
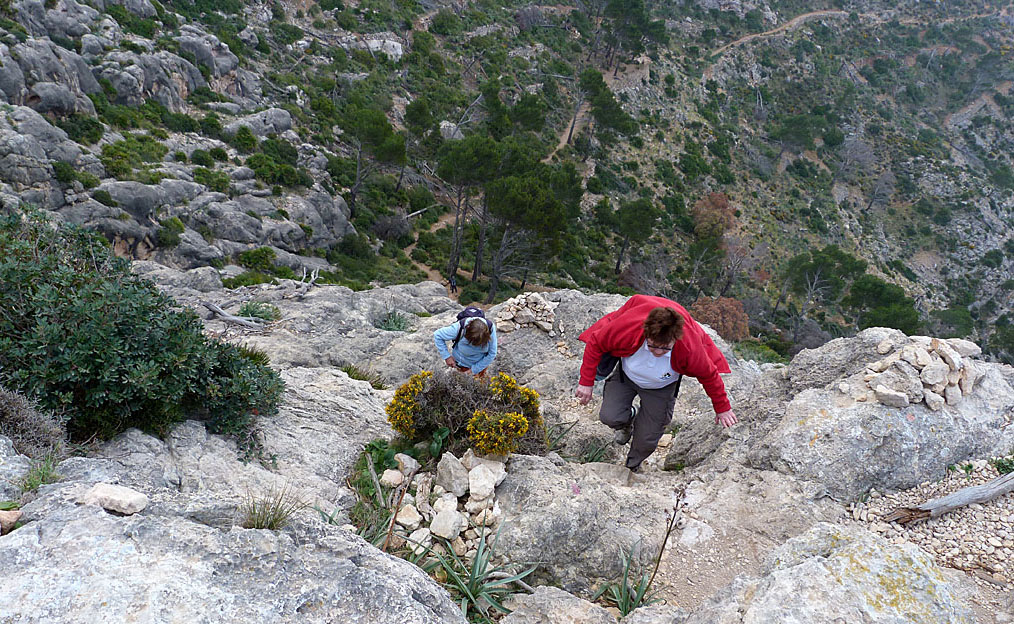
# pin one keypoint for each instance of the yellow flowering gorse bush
(403, 408)
(496, 434)
(449, 411)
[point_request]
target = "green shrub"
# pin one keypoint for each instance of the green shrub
(445, 23)
(82, 128)
(33, 432)
(202, 158)
(168, 234)
(86, 337)
(260, 259)
(103, 197)
(261, 310)
(392, 320)
(248, 278)
(63, 172)
(273, 510)
(498, 415)
(244, 140)
(354, 372)
(87, 180)
(120, 158)
(217, 181)
(218, 154)
(41, 472)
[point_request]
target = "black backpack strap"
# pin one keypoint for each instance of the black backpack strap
(461, 328)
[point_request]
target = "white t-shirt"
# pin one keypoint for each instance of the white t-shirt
(648, 371)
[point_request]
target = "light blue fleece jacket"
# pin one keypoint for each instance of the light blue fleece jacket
(466, 354)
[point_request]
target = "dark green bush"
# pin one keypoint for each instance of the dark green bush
(248, 278)
(122, 157)
(63, 172)
(103, 197)
(217, 181)
(168, 234)
(82, 335)
(244, 140)
(218, 154)
(260, 259)
(202, 158)
(81, 128)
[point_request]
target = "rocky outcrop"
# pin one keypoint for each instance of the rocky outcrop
(838, 436)
(188, 544)
(863, 576)
(270, 121)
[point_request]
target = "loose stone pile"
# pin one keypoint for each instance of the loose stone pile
(929, 370)
(456, 504)
(978, 537)
(528, 310)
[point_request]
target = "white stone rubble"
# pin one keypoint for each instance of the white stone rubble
(933, 371)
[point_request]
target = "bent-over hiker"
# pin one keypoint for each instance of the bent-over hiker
(473, 342)
(656, 342)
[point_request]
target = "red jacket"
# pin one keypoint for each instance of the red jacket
(621, 333)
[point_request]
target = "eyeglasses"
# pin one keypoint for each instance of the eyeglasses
(658, 347)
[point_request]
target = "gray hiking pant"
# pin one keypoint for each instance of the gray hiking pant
(652, 418)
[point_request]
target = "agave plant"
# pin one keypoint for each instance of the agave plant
(480, 584)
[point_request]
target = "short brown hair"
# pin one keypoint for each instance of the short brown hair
(477, 334)
(663, 325)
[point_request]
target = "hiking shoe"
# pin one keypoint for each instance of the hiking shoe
(635, 469)
(622, 436)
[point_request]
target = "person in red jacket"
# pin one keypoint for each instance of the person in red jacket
(656, 342)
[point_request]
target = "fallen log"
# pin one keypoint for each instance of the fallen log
(939, 506)
(245, 321)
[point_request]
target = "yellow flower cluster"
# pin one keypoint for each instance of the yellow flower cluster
(508, 390)
(496, 434)
(401, 411)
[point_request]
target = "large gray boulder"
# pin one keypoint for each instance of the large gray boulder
(578, 521)
(162, 76)
(208, 50)
(80, 563)
(553, 605)
(837, 432)
(270, 121)
(840, 574)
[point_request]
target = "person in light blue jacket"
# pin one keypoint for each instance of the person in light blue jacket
(475, 350)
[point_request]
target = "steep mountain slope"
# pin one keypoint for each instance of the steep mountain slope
(694, 150)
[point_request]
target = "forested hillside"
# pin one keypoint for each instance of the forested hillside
(791, 171)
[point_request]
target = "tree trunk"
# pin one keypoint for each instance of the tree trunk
(573, 122)
(452, 261)
(939, 506)
(354, 191)
(401, 176)
(481, 243)
(623, 250)
(494, 277)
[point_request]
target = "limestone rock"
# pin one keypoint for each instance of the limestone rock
(392, 478)
(116, 498)
(8, 519)
(890, 397)
(551, 604)
(481, 482)
(408, 517)
(448, 524)
(451, 475)
(447, 501)
(861, 574)
(406, 463)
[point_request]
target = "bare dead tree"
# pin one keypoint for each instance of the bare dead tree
(883, 189)
(250, 322)
(854, 157)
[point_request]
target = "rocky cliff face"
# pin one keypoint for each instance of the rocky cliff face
(755, 494)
